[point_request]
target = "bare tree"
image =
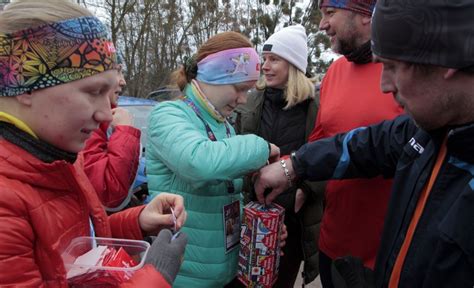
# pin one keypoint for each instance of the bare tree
(154, 36)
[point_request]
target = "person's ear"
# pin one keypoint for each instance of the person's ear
(366, 20)
(449, 73)
(25, 98)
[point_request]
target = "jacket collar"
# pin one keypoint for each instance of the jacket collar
(275, 96)
(461, 142)
(40, 149)
(18, 164)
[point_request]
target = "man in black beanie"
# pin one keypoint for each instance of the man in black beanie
(427, 52)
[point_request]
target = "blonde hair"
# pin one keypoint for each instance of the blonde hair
(217, 43)
(298, 88)
(23, 14)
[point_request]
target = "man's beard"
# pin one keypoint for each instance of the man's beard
(347, 46)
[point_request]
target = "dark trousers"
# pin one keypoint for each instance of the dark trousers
(325, 270)
(293, 253)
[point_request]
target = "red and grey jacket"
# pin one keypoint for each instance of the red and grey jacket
(441, 253)
(111, 163)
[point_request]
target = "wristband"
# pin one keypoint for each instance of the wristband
(298, 169)
(287, 172)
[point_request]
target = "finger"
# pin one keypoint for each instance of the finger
(181, 239)
(178, 207)
(272, 195)
(158, 220)
(259, 190)
(254, 177)
(175, 201)
(284, 234)
(181, 219)
(165, 201)
(164, 236)
(282, 244)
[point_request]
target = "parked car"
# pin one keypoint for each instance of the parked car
(140, 108)
(164, 94)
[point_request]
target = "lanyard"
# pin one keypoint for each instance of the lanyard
(210, 134)
(399, 261)
(91, 227)
(209, 131)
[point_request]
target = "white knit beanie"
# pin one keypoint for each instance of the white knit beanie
(290, 43)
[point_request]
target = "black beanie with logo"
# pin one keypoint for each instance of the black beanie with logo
(436, 32)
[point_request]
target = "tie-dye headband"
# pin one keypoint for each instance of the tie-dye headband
(54, 54)
(365, 7)
(229, 67)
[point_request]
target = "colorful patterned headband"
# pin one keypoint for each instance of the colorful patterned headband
(365, 7)
(229, 67)
(54, 54)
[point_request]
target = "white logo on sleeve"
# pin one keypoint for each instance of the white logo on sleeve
(418, 148)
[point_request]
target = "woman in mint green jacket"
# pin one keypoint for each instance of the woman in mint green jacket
(193, 151)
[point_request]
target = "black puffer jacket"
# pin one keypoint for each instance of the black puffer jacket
(263, 115)
(284, 128)
(441, 253)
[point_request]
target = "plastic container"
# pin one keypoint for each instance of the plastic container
(102, 276)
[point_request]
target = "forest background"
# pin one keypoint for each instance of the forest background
(155, 36)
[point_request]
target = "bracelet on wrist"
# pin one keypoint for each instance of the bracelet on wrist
(287, 172)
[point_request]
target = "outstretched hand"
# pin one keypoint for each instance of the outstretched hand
(157, 214)
(271, 179)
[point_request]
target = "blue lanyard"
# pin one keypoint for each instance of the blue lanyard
(91, 227)
(210, 134)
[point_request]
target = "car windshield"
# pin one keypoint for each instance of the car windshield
(140, 119)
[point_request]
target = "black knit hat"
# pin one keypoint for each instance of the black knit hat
(437, 32)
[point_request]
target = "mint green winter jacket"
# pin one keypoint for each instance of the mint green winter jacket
(181, 159)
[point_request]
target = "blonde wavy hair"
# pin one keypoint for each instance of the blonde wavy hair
(298, 88)
(23, 14)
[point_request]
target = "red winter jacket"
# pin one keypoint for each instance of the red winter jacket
(42, 208)
(111, 164)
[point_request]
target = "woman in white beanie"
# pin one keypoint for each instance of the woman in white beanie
(283, 110)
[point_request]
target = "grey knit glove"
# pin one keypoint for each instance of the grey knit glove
(166, 254)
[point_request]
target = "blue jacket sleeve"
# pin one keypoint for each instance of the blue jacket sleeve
(364, 152)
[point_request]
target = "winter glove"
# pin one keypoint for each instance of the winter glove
(349, 272)
(167, 254)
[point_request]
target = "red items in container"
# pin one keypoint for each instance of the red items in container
(103, 262)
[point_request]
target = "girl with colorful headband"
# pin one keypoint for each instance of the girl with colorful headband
(193, 151)
(57, 69)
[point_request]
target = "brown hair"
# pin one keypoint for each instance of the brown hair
(217, 43)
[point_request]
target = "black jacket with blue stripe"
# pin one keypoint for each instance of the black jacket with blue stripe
(441, 253)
